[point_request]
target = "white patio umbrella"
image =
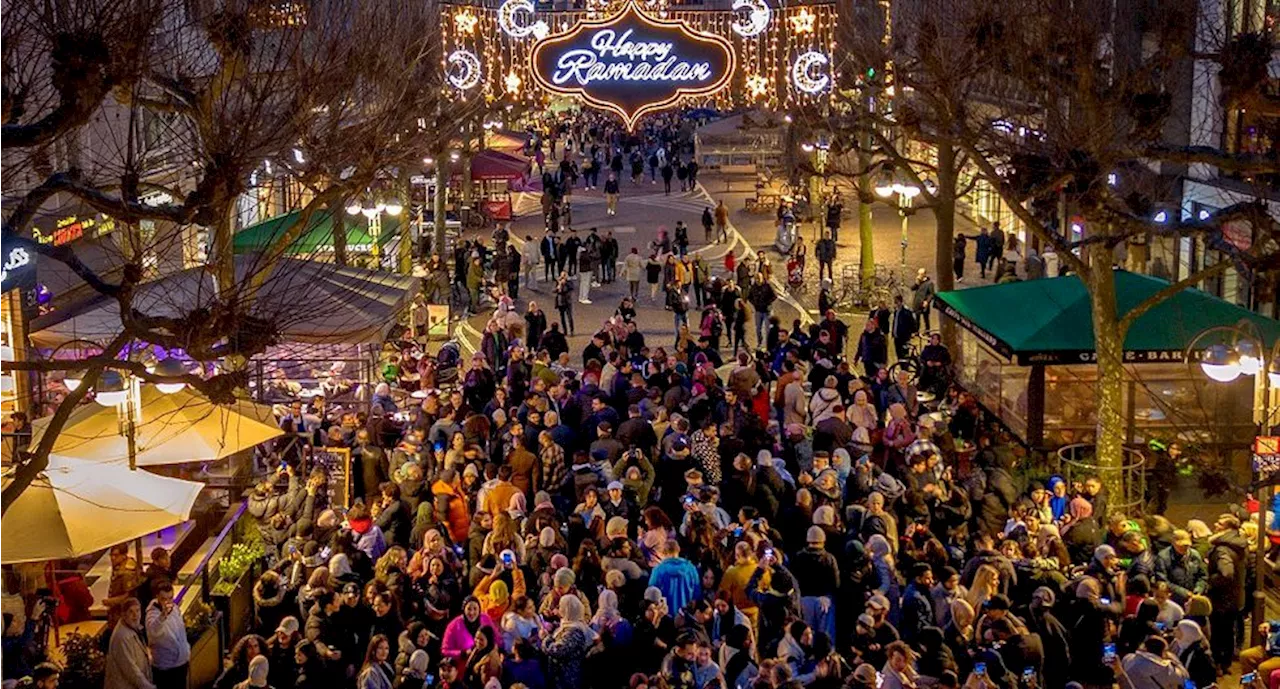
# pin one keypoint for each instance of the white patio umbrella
(173, 428)
(77, 507)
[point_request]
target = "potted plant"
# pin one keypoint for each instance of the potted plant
(85, 666)
(232, 594)
(206, 647)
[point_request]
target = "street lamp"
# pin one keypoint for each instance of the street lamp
(111, 390)
(887, 186)
(1247, 354)
(173, 368)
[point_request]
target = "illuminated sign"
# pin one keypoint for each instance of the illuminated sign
(74, 227)
(18, 270)
(633, 64)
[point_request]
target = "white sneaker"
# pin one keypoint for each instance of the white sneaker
(960, 279)
(584, 301)
(595, 284)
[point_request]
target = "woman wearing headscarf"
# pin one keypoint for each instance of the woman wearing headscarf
(884, 576)
(735, 658)
(879, 521)
(862, 414)
(1081, 533)
(1058, 497)
(608, 622)
(1193, 652)
(958, 635)
(1053, 637)
(569, 644)
(460, 635)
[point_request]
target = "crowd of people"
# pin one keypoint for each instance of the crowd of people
(705, 515)
(652, 516)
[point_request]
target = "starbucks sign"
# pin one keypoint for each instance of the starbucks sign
(633, 64)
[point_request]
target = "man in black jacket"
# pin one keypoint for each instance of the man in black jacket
(904, 327)
(825, 251)
(817, 577)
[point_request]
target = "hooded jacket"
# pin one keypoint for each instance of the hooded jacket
(453, 506)
(1227, 568)
(1148, 671)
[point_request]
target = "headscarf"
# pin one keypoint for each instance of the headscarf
(878, 546)
(339, 566)
(517, 506)
(1186, 635)
(1080, 509)
(499, 594)
(607, 610)
(1058, 505)
(419, 662)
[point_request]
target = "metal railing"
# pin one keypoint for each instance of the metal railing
(1077, 465)
(202, 569)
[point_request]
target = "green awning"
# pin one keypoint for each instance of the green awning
(1050, 321)
(317, 237)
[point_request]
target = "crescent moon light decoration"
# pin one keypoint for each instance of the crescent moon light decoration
(802, 72)
(507, 20)
(756, 21)
(468, 74)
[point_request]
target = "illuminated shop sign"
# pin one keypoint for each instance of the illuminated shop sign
(74, 227)
(633, 64)
(17, 263)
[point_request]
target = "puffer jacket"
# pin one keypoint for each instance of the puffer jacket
(1227, 568)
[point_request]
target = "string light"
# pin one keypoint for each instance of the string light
(802, 72)
(803, 21)
(757, 86)
(470, 69)
(465, 22)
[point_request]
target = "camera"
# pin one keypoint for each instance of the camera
(50, 603)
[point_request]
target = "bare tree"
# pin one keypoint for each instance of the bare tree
(108, 101)
(1048, 116)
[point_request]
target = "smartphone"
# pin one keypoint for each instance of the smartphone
(768, 552)
(325, 552)
(737, 533)
(1189, 683)
(879, 680)
(688, 499)
(980, 669)
(1028, 674)
(1250, 678)
(1104, 600)
(1108, 653)
(429, 680)
(508, 559)
(1161, 626)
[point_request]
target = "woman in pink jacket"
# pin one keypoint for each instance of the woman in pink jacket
(460, 635)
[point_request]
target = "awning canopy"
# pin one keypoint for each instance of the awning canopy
(317, 236)
(1050, 321)
(505, 140)
(308, 301)
(498, 166)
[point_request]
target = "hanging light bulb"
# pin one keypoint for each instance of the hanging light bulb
(111, 390)
(1250, 361)
(353, 207)
(73, 379)
(170, 367)
(369, 211)
(1220, 364)
(394, 207)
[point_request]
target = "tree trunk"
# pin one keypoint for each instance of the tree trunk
(339, 215)
(866, 231)
(224, 255)
(405, 254)
(944, 213)
(442, 190)
(1109, 393)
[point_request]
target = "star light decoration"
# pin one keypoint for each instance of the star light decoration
(757, 86)
(513, 82)
(803, 21)
(465, 22)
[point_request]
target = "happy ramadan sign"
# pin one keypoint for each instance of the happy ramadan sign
(633, 64)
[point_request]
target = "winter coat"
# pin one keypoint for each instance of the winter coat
(451, 505)
(128, 664)
(1147, 671)
(1228, 563)
(457, 640)
(1185, 574)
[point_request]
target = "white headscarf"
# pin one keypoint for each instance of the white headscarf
(606, 610)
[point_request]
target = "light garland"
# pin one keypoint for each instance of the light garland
(470, 66)
(507, 20)
(802, 75)
(803, 21)
(757, 86)
(757, 19)
(465, 22)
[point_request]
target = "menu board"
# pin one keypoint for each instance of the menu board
(336, 462)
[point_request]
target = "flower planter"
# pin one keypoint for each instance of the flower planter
(206, 657)
(234, 602)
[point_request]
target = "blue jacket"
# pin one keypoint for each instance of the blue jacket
(679, 582)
